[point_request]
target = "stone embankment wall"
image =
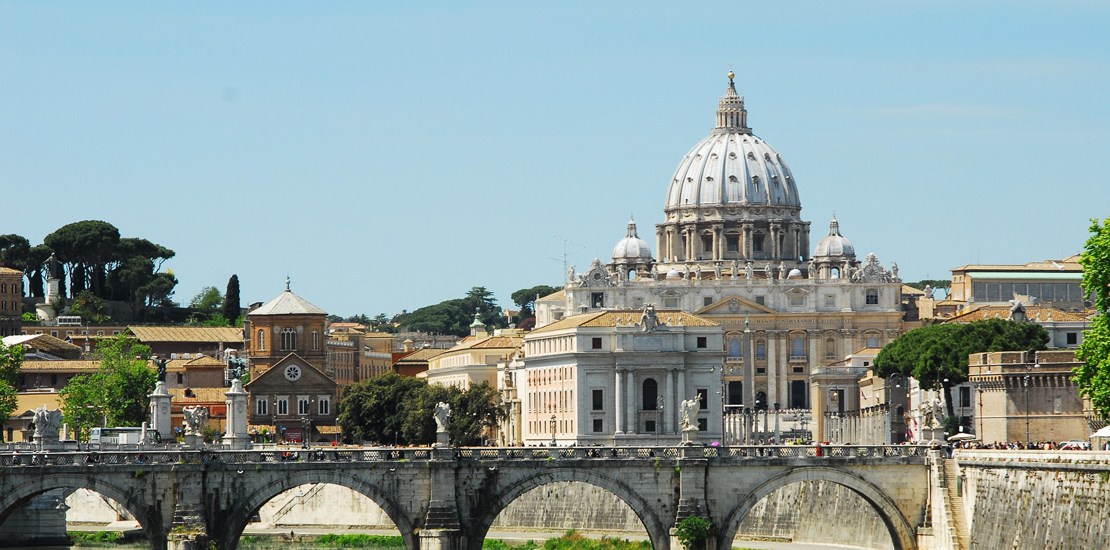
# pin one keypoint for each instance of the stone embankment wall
(816, 512)
(1051, 500)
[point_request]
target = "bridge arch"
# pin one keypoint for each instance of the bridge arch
(489, 509)
(232, 524)
(145, 513)
(901, 533)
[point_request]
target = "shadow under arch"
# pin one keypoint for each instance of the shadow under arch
(146, 514)
(658, 532)
(901, 533)
(231, 525)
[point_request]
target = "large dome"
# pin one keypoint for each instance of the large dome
(732, 167)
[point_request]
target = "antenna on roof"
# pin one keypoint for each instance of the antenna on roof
(567, 253)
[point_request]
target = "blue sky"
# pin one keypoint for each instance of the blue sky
(387, 156)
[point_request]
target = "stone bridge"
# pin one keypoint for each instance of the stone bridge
(447, 499)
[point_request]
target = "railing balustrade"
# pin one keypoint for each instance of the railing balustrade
(118, 457)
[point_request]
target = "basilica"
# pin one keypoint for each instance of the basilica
(734, 251)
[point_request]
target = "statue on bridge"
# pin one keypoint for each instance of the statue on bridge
(48, 424)
(196, 419)
(442, 415)
(689, 408)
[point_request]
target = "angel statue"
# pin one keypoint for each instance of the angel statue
(689, 408)
(442, 413)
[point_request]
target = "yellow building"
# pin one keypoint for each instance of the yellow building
(474, 360)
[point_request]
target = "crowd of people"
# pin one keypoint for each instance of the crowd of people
(1031, 446)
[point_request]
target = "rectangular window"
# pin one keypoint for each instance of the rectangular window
(670, 303)
(703, 398)
(760, 300)
(872, 297)
(598, 425)
(757, 243)
(325, 404)
(965, 397)
(733, 243)
(649, 426)
(707, 244)
(760, 349)
(283, 406)
(1072, 338)
(180, 378)
(797, 299)
(597, 299)
(595, 343)
(703, 342)
(599, 400)
(703, 424)
(262, 407)
(707, 301)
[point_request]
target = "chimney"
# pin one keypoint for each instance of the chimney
(408, 344)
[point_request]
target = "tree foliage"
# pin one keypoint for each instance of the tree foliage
(117, 393)
(231, 307)
(454, 316)
(937, 354)
(11, 360)
(935, 283)
(393, 408)
(208, 304)
(1093, 376)
(526, 298)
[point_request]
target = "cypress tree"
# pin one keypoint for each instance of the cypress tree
(231, 299)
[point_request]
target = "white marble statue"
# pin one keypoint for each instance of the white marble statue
(196, 419)
(48, 423)
(688, 409)
(442, 414)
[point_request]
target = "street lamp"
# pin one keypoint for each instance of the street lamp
(979, 388)
(1025, 388)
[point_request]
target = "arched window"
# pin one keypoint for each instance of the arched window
(797, 347)
(760, 349)
(834, 273)
(288, 339)
(261, 339)
(760, 401)
(830, 348)
(734, 347)
(315, 340)
(651, 395)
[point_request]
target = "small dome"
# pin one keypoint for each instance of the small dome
(794, 274)
(631, 249)
(834, 244)
(674, 275)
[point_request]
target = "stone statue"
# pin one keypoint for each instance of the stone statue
(570, 274)
(928, 291)
(735, 270)
(749, 271)
(52, 267)
(654, 271)
(686, 272)
(48, 423)
(697, 272)
(196, 419)
(442, 413)
(649, 320)
(894, 270)
(688, 409)
(782, 270)
(812, 269)
(161, 364)
(623, 271)
(769, 271)
(717, 270)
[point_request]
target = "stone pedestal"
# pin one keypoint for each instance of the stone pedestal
(160, 420)
(443, 439)
(195, 441)
(237, 437)
(690, 436)
(440, 539)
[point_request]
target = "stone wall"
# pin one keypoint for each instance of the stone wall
(1049, 500)
(816, 512)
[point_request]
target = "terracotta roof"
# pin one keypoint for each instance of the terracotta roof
(1031, 312)
(358, 326)
(67, 366)
(10, 271)
(288, 304)
(44, 342)
(204, 361)
(200, 395)
(625, 318)
(187, 334)
(420, 355)
(380, 335)
(489, 342)
(907, 289)
(556, 296)
(1070, 263)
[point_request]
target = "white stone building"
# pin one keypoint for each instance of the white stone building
(735, 251)
(617, 377)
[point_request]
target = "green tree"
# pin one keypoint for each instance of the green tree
(207, 302)
(693, 532)
(1093, 376)
(935, 283)
(117, 393)
(11, 360)
(937, 354)
(454, 316)
(14, 250)
(474, 414)
(90, 308)
(231, 307)
(371, 410)
(526, 299)
(86, 247)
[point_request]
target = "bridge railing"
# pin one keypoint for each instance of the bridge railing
(377, 454)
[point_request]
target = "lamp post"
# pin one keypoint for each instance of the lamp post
(1025, 388)
(979, 389)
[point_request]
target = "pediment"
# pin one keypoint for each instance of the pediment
(275, 376)
(734, 305)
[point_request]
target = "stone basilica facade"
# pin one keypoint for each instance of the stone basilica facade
(734, 249)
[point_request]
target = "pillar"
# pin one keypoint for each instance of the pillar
(442, 530)
(772, 368)
(668, 403)
(631, 422)
(618, 388)
(160, 419)
(237, 436)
